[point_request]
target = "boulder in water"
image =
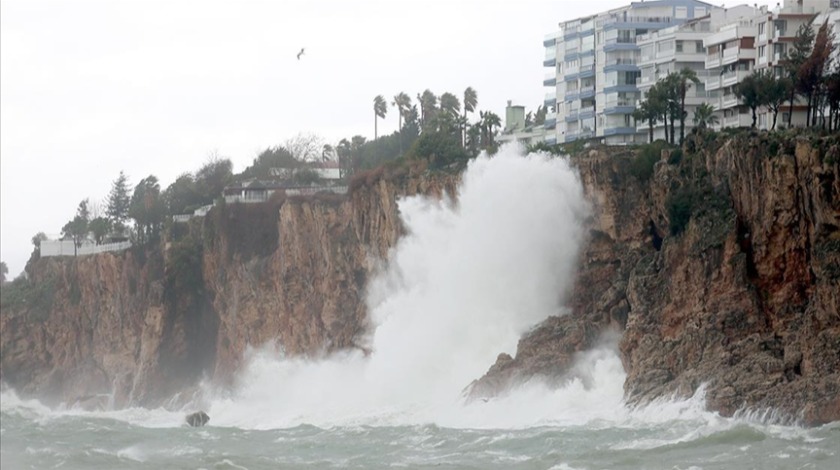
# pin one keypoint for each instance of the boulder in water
(197, 419)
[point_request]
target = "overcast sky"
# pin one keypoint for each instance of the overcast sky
(89, 88)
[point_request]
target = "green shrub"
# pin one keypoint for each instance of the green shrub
(23, 296)
(646, 157)
(680, 205)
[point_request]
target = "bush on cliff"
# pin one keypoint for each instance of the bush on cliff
(439, 148)
(23, 296)
(645, 158)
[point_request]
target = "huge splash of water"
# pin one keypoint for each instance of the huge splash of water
(470, 277)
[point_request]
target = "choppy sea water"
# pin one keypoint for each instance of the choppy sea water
(34, 437)
(464, 284)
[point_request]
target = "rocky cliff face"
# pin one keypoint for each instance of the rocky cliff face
(721, 270)
(145, 324)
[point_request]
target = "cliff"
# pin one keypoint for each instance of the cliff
(717, 265)
(138, 327)
(719, 269)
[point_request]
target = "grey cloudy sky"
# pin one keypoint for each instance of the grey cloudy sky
(89, 88)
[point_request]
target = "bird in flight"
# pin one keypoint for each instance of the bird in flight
(300, 53)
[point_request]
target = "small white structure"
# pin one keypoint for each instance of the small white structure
(68, 248)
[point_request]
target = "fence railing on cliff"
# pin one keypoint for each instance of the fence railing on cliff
(68, 248)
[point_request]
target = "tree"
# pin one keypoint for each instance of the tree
(181, 196)
(147, 209)
(305, 147)
(439, 148)
(100, 226)
(449, 104)
(380, 109)
(648, 110)
(38, 238)
(428, 107)
(684, 79)
(344, 157)
(773, 92)
(749, 94)
(403, 104)
(669, 93)
(328, 153)
(4, 270)
(812, 71)
(212, 177)
(832, 89)
(796, 57)
(77, 228)
(489, 120)
(704, 116)
(118, 201)
(539, 116)
(470, 102)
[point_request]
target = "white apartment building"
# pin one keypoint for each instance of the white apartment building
(601, 65)
(776, 32)
(730, 57)
(595, 69)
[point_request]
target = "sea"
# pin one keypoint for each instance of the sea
(473, 274)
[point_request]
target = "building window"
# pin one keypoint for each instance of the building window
(698, 47)
(679, 46)
(761, 28)
(699, 11)
(762, 51)
(681, 12)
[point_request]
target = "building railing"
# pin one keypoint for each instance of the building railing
(620, 102)
(68, 248)
(312, 190)
(620, 41)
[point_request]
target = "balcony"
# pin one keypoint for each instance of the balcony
(728, 101)
(712, 61)
(587, 92)
(620, 44)
(762, 37)
(587, 71)
(778, 57)
(734, 54)
(762, 60)
(619, 64)
(550, 39)
(624, 130)
(733, 77)
(736, 121)
(550, 80)
(550, 99)
(713, 83)
(619, 108)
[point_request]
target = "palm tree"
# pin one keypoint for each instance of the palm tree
(403, 104)
(685, 78)
(449, 104)
(380, 109)
(470, 102)
(489, 120)
(704, 116)
(428, 106)
(650, 111)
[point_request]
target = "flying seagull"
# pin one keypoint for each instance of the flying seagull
(300, 53)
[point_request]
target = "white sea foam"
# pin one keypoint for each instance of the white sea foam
(468, 279)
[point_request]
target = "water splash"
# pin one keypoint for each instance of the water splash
(463, 285)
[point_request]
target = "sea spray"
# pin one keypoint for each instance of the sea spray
(467, 280)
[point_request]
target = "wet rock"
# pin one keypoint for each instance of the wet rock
(197, 419)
